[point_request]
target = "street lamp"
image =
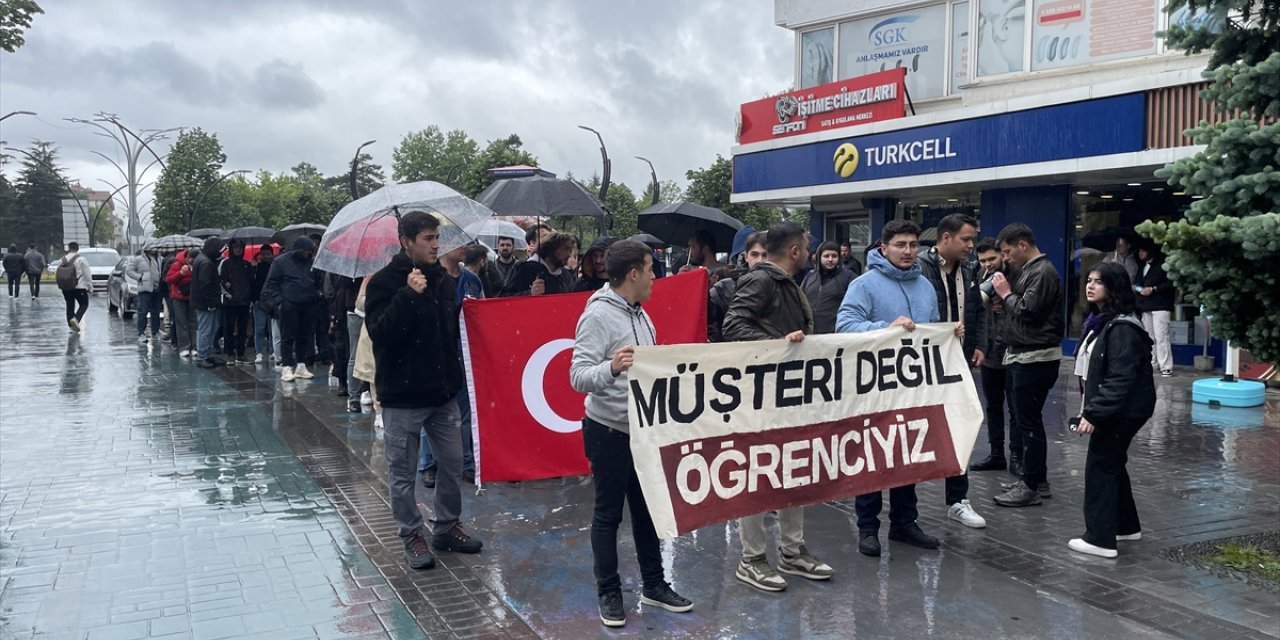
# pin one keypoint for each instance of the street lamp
(191, 215)
(654, 174)
(16, 113)
(604, 178)
(355, 162)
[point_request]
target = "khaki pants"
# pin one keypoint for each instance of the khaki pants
(1157, 325)
(755, 538)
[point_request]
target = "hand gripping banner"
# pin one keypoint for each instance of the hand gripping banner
(729, 430)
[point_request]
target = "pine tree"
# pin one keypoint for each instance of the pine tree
(38, 208)
(1225, 255)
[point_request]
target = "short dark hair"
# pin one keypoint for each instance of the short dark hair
(954, 222)
(31, 246)
(898, 228)
(987, 244)
(1016, 232)
(845, 243)
(553, 242)
(267, 248)
(781, 236)
(507, 238)
(828, 246)
(758, 238)
(415, 222)
(704, 238)
(73, 246)
(1120, 299)
(473, 254)
(622, 257)
(531, 234)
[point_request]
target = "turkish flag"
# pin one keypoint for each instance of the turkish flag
(525, 417)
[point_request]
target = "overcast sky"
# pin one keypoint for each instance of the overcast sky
(286, 81)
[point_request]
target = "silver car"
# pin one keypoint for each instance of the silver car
(122, 292)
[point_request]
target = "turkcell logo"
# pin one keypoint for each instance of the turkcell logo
(891, 31)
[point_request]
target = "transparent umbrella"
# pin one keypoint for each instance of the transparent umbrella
(363, 236)
(488, 231)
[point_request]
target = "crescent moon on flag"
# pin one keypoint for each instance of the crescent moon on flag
(531, 385)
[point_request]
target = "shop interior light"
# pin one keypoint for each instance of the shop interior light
(1197, 197)
(953, 199)
(1158, 189)
(1128, 199)
(1179, 193)
(1135, 184)
(1107, 196)
(1082, 193)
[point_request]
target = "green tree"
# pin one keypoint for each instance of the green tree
(668, 191)
(15, 17)
(433, 155)
(1225, 254)
(369, 178)
(189, 193)
(502, 152)
(9, 208)
(712, 186)
(624, 210)
(37, 214)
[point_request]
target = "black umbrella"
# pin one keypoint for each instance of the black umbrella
(250, 235)
(205, 233)
(541, 197)
(285, 236)
(652, 241)
(676, 222)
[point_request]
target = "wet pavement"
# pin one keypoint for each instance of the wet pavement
(126, 512)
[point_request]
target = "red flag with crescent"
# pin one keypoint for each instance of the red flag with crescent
(526, 419)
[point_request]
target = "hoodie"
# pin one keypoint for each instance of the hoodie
(206, 290)
(607, 324)
(290, 279)
(594, 282)
(883, 294)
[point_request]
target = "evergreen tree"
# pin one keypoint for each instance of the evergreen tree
(1225, 255)
(37, 214)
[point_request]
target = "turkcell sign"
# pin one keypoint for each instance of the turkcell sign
(870, 98)
(1076, 130)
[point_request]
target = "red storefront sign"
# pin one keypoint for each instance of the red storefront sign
(869, 98)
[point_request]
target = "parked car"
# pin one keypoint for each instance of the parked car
(122, 292)
(101, 262)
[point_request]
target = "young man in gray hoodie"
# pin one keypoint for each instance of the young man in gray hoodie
(610, 328)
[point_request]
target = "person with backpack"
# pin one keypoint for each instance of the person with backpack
(76, 281)
(178, 275)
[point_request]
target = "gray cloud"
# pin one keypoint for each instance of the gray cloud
(283, 84)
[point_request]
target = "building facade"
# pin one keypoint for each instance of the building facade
(1054, 113)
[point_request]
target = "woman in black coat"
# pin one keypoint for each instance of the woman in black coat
(1114, 362)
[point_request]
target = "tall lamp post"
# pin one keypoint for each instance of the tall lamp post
(16, 113)
(355, 163)
(653, 173)
(604, 178)
(191, 212)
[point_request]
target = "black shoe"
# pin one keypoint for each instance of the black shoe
(342, 390)
(991, 463)
(456, 540)
(869, 544)
(1015, 465)
(353, 405)
(666, 597)
(1045, 490)
(612, 613)
(429, 478)
(207, 363)
(1020, 495)
(418, 553)
(912, 535)
(469, 476)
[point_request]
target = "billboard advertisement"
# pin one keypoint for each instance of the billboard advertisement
(913, 40)
(1074, 32)
(838, 104)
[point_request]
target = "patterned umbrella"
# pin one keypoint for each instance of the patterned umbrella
(176, 242)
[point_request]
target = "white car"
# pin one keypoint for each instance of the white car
(101, 261)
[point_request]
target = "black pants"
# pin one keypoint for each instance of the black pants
(613, 474)
(77, 303)
(297, 333)
(15, 283)
(324, 348)
(1109, 508)
(33, 281)
(1029, 390)
(235, 329)
(995, 388)
(902, 509)
(341, 348)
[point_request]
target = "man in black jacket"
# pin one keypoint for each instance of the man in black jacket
(1034, 348)
(955, 280)
(994, 381)
(545, 273)
(1155, 301)
(206, 297)
(411, 317)
(236, 275)
(291, 290)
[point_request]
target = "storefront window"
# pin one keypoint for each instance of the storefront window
(959, 45)
(1001, 30)
(853, 228)
(817, 62)
(927, 213)
(913, 39)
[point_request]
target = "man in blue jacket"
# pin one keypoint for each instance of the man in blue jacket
(891, 293)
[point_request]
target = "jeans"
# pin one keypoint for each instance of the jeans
(15, 283)
(1109, 508)
(77, 303)
(402, 429)
(236, 329)
(262, 336)
(33, 281)
(995, 387)
(426, 461)
(149, 305)
(1157, 325)
(1029, 388)
(902, 509)
(613, 474)
(206, 332)
(297, 332)
(184, 318)
(275, 339)
(355, 322)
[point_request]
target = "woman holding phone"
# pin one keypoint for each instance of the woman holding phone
(1114, 364)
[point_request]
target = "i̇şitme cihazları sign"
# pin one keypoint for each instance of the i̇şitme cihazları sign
(869, 98)
(721, 431)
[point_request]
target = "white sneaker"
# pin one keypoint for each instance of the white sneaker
(286, 374)
(377, 422)
(1130, 537)
(366, 399)
(142, 339)
(757, 573)
(301, 372)
(187, 353)
(257, 359)
(1080, 546)
(963, 513)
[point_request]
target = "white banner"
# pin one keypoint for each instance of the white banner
(721, 431)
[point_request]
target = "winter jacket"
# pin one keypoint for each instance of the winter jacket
(415, 336)
(14, 264)
(1120, 386)
(522, 279)
(84, 274)
(973, 317)
(767, 305)
(36, 263)
(206, 291)
(145, 270)
(883, 294)
(1035, 308)
(590, 283)
(992, 343)
(340, 293)
(179, 281)
(290, 278)
(825, 292)
(504, 269)
(236, 276)
(1161, 298)
(607, 324)
(260, 272)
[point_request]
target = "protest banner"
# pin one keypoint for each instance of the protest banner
(729, 430)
